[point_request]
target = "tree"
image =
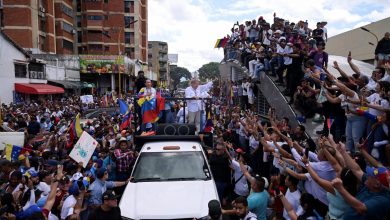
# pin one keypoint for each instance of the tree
(209, 71)
(177, 73)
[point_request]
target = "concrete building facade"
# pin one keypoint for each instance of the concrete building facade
(361, 43)
(158, 62)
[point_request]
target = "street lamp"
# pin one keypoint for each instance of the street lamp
(366, 30)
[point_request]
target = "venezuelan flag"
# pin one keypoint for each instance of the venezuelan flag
(12, 152)
(126, 121)
(123, 107)
(150, 107)
(75, 130)
(209, 127)
(363, 112)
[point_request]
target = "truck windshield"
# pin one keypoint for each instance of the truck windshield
(171, 166)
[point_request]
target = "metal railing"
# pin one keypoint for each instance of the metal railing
(206, 102)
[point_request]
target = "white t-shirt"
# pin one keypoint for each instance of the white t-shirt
(253, 143)
(245, 88)
(347, 105)
(294, 199)
(386, 78)
(275, 162)
(324, 33)
(241, 188)
(69, 202)
(376, 99)
(371, 85)
(42, 186)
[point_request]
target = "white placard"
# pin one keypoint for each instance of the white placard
(86, 99)
(84, 148)
(14, 138)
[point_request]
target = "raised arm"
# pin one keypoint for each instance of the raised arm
(352, 65)
(351, 164)
(53, 189)
(327, 185)
(369, 158)
(359, 206)
(290, 210)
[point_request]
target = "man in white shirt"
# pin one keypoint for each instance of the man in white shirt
(195, 106)
(293, 196)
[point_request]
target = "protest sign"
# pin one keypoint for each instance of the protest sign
(86, 99)
(84, 148)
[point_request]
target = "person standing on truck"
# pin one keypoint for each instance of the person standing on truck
(195, 106)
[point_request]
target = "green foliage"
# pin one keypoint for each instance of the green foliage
(177, 73)
(209, 71)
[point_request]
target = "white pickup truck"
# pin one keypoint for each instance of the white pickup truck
(171, 180)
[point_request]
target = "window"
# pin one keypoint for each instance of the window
(127, 37)
(67, 44)
(168, 166)
(20, 70)
(95, 17)
(42, 22)
(78, 21)
(150, 56)
(127, 6)
(106, 1)
(79, 36)
(105, 17)
(67, 27)
(106, 48)
(150, 46)
(68, 11)
(78, 5)
(128, 22)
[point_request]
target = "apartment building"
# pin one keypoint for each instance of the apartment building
(40, 26)
(109, 27)
(158, 61)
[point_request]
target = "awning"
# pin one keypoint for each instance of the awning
(37, 89)
(66, 84)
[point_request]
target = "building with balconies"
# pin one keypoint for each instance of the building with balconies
(158, 62)
(108, 28)
(40, 26)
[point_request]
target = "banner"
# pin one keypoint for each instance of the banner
(14, 138)
(84, 148)
(86, 99)
(102, 64)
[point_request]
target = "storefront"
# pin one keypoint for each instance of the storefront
(31, 91)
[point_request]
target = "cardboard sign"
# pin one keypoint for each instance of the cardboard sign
(86, 99)
(84, 148)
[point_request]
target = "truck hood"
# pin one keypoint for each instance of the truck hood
(167, 200)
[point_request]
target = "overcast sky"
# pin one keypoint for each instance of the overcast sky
(191, 27)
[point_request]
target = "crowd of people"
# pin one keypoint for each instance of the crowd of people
(262, 167)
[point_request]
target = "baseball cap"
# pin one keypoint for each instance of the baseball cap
(380, 173)
(214, 209)
(109, 194)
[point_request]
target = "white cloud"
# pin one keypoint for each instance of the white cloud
(191, 27)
